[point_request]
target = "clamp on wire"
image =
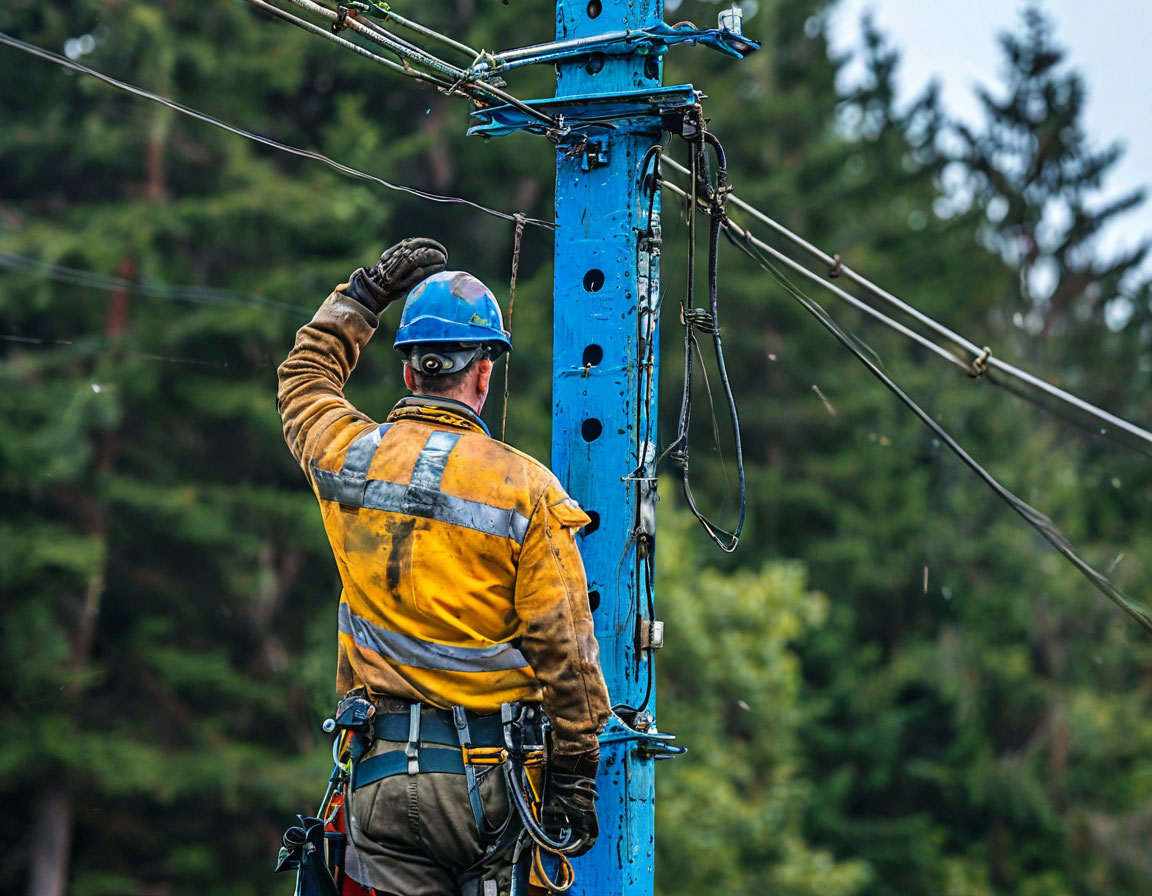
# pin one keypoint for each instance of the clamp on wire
(979, 365)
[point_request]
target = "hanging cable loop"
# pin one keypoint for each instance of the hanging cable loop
(712, 193)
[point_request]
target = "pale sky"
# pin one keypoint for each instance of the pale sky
(1108, 42)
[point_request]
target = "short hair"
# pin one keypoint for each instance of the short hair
(438, 385)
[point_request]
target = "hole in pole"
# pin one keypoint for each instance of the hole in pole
(593, 600)
(595, 63)
(593, 525)
(590, 429)
(594, 280)
(592, 356)
(594, 8)
(652, 68)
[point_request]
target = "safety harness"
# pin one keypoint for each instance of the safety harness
(429, 739)
(455, 743)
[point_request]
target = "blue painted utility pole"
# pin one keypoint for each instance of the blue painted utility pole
(608, 56)
(604, 407)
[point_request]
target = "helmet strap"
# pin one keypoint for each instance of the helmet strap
(431, 361)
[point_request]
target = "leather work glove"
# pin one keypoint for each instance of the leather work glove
(399, 269)
(570, 801)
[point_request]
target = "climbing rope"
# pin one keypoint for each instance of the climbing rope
(511, 303)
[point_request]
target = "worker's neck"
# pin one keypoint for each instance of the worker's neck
(474, 403)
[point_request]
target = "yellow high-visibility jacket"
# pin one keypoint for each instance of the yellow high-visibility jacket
(462, 582)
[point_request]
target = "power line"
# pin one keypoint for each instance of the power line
(450, 78)
(405, 70)
(56, 58)
(1039, 521)
(201, 295)
(1107, 424)
(384, 12)
(89, 348)
(849, 298)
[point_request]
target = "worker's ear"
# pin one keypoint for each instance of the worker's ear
(484, 378)
(408, 380)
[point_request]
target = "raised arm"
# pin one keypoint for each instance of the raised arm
(310, 397)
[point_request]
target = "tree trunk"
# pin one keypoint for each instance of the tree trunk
(52, 842)
(55, 809)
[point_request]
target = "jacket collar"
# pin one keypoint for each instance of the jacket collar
(435, 409)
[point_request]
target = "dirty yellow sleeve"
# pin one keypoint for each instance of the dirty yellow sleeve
(557, 636)
(317, 418)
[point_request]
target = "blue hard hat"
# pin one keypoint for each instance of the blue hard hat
(451, 307)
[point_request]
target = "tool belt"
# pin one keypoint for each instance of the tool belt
(446, 741)
(457, 741)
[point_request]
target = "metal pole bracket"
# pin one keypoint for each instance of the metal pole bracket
(612, 112)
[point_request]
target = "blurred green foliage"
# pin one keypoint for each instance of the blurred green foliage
(894, 688)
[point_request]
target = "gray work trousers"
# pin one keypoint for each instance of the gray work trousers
(415, 835)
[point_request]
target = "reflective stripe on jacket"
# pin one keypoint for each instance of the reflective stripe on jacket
(462, 582)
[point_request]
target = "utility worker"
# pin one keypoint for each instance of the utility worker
(463, 589)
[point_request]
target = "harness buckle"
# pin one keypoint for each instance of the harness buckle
(534, 759)
(412, 751)
(484, 755)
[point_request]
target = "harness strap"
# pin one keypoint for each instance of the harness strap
(396, 762)
(412, 751)
(460, 719)
(438, 727)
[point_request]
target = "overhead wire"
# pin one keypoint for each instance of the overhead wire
(761, 253)
(384, 12)
(394, 44)
(849, 298)
(450, 78)
(406, 71)
(1109, 425)
(201, 295)
(348, 170)
(88, 347)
